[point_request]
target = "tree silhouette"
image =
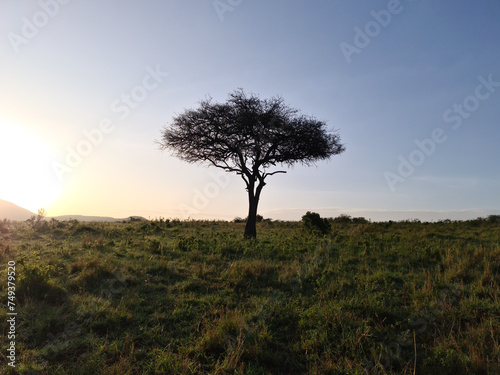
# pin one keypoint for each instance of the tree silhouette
(249, 136)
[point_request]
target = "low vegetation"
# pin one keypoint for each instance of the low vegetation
(194, 297)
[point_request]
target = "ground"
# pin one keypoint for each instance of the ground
(171, 297)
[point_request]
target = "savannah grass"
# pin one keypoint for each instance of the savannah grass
(194, 297)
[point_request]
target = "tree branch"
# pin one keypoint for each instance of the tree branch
(270, 174)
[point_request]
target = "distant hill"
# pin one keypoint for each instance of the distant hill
(11, 211)
(85, 218)
(96, 218)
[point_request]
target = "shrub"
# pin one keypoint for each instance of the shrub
(359, 220)
(37, 222)
(312, 222)
(493, 219)
(56, 224)
(259, 219)
(343, 219)
(135, 219)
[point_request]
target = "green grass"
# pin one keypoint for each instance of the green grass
(171, 297)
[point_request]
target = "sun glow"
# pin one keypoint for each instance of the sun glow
(26, 178)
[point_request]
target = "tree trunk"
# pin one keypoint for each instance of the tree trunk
(251, 226)
(253, 202)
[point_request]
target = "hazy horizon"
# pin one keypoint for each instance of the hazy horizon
(413, 87)
(295, 214)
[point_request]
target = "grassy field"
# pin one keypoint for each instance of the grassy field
(171, 297)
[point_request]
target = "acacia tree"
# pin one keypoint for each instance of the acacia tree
(251, 137)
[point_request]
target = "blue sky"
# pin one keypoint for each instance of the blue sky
(422, 73)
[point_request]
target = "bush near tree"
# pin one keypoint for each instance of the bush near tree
(312, 222)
